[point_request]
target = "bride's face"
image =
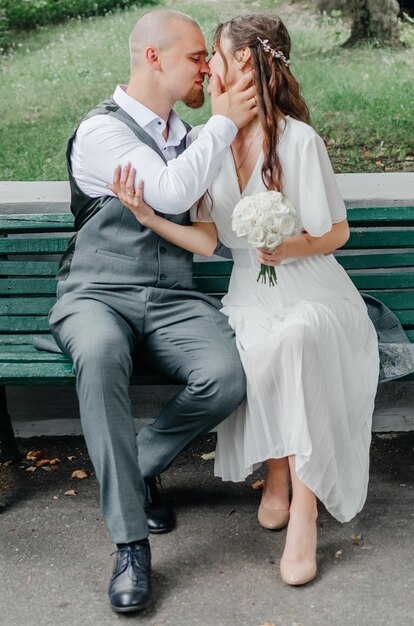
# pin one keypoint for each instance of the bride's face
(225, 64)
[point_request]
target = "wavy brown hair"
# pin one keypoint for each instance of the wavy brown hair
(278, 92)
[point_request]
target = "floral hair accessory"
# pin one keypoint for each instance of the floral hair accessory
(276, 54)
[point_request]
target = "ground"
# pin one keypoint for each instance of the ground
(218, 568)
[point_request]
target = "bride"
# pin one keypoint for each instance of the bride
(307, 345)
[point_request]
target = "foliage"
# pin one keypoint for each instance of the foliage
(28, 14)
(361, 99)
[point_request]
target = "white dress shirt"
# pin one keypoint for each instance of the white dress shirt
(102, 142)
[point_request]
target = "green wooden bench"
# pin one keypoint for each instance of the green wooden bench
(379, 258)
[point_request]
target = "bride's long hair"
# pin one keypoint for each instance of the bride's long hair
(278, 92)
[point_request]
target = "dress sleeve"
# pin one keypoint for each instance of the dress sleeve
(321, 204)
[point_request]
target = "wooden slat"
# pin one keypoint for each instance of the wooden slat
(26, 306)
(23, 324)
(61, 222)
(36, 373)
(380, 238)
(410, 335)
(212, 284)
(395, 300)
(212, 268)
(381, 215)
(32, 356)
(41, 373)
(17, 349)
(12, 340)
(350, 259)
(28, 268)
(27, 286)
(40, 245)
(383, 281)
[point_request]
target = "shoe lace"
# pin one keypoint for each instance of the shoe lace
(130, 557)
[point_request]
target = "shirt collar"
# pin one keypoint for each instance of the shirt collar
(149, 120)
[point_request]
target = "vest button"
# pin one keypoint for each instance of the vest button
(162, 249)
(163, 276)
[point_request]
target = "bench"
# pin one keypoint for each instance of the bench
(379, 258)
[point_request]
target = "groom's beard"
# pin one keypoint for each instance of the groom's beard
(195, 98)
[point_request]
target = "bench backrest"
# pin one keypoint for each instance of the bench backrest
(379, 258)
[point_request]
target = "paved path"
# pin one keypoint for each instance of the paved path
(219, 568)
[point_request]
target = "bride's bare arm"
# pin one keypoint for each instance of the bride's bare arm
(199, 238)
(306, 245)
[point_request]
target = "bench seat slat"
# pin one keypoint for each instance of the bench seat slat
(383, 281)
(351, 260)
(31, 245)
(28, 286)
(380, 238)
(13, 339)
(26, 306)
(23, 323)
(28, 268)
(381, 215)
(36, 223)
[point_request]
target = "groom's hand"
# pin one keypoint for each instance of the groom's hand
(238, 103)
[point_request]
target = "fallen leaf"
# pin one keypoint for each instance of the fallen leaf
(379, 163)
(54, 461)
(55, 497)
(71, 492)
(208, 456)
(338, 553)
(50, 468)
(43, 462)
(35, 455)
(79, 474)
(6, 463)
(71, 458)
(32, 468)
(259, 484)
(356, 539)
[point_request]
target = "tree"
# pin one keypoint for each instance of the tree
(371, 19)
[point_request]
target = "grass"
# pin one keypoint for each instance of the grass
(361, 100)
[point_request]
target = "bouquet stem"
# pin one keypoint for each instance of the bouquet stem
(267, 272)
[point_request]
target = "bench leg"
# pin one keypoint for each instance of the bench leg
(8, 446)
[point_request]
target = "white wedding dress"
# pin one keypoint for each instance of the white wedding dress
(307, 345)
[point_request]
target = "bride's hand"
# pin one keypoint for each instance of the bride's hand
(272, 257)
(123, 187)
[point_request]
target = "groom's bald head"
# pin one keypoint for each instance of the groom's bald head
(157, 28)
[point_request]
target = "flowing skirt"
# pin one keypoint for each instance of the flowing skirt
(310, 354)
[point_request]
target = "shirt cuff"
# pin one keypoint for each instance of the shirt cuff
(222, 126)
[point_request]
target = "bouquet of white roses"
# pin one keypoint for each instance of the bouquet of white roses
(265, 219)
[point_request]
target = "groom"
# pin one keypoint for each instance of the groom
(123, 292)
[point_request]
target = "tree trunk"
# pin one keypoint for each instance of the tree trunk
(374, 19)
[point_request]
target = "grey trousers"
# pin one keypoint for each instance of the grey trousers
(103, 331)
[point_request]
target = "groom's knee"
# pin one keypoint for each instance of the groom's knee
(221, 383)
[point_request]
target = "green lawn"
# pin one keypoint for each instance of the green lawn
(361, 100)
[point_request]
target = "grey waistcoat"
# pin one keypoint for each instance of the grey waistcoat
(110, 246)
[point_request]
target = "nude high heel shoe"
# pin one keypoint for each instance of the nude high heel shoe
(297, 572)
(272, 519)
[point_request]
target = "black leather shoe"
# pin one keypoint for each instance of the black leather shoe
(130, 586)
(160, 514)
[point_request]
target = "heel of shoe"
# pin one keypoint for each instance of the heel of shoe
(297, 573)
(272, 519)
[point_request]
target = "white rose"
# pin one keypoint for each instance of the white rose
(287, 225)
(273, 240)
(257, 237)
(242, 229)
(259, 218)
(271, 222)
